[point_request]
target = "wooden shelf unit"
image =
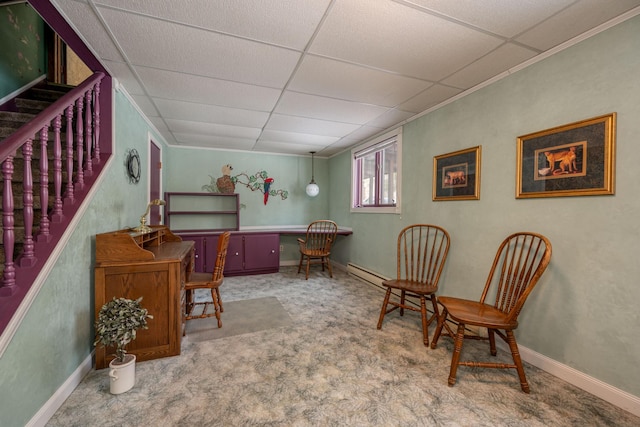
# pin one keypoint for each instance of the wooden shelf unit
(189, 211)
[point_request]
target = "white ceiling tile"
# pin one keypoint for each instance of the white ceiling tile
(145, 105)
(215, 141)
(501, 59)
(282, 22)
(305, 125)
(81, 16)
(285, 148)
(504, 17)
(187, 87)
(296, 137)
(361, 134)
(391, 36)
(198, 51)
(430, 97)
(124, 76)
(211, 129)
(159, 124)
(576, 19)
(212, 74)
(304, 105)
(335, 79)
(210, 113)
(390, 118)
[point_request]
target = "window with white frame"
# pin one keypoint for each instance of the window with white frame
(376, 173)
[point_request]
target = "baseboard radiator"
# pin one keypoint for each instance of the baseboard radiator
(375, 279)
(366, 275)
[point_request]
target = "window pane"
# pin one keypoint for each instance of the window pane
(376, 175)
(368, 183)
(389, 175)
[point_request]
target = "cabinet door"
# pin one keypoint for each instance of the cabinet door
(235, 254)
(199, 252)
(261, 251)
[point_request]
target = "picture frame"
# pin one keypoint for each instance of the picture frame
(456, 175)
(577, 159)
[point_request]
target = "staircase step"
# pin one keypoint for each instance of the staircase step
(31, 106)
(47, 93)
(14, 120)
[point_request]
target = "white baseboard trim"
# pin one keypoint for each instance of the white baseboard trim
(54, 403)
(598, 388)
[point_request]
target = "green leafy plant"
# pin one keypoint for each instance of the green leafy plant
(117, 323)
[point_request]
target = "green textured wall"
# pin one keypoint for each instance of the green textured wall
(22, 53)
(190, 170)
(56, 335)
(584, 312)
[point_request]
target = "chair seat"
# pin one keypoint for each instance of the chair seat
(314, 252)
(200, 280)
(411, 286)
(316, 247)
(475, 313)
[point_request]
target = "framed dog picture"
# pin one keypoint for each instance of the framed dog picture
(456, 176)
(577, 159)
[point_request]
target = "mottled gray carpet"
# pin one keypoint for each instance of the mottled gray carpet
(329, 367)
(239, 317)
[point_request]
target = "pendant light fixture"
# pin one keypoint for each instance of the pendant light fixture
(312, 188)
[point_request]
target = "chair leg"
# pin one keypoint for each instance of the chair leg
(515, 353)
(455, 357)
(383, 311)
(329, 267)
(219, 300)
(492, 342)
(425, 326)
(300, 264)
(216, 306)
(402, 295)
(436, 334)
(307, 273)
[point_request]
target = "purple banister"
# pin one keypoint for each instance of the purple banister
(15, 141)
(8, 239)
(96, 121)
(79, 144)
(27, 258)
(56, 214)
(44, 235)
(88, 121)
(69, 195)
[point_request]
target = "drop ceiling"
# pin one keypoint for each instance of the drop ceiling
(295, 76)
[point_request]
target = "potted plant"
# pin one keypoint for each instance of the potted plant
(117, 323)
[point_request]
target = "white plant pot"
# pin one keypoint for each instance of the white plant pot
(122, 375)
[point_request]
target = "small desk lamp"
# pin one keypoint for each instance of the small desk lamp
(143, 227)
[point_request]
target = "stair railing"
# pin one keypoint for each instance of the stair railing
(72, 166)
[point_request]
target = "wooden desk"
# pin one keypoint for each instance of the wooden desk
(154, 266)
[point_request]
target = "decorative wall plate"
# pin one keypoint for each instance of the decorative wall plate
(132, 165)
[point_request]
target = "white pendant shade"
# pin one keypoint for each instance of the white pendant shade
(312, 188)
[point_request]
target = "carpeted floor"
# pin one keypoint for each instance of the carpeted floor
(329, 367)
(239, 317)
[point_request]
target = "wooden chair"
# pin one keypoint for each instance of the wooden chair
(520, 261)
(421, 254)
(317, 245)
(208, 281)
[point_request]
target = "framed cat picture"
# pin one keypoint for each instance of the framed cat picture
(456, 176)
(577, 159)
